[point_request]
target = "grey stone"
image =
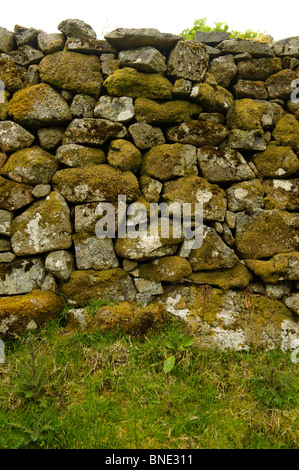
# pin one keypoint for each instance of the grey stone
(83, 105)
(151, 188)
(230, 219)
(198, 133)
(92, 131)
(145, 286)
(41, 190)
(13, 137)
(287, 47)
(76, 29)
(277, 291)
(4, 244)
(223, 69)
(50, 43)
(123, 38)
(7, 257)
(86, 217)
(221, 165)
(129, 265)
(182, 88)
(145, 59)
(60, 264)
(246, 140)
(49, 284)
(14, 196)
(74, 155)
(25, 36)
(119, 109)
(5, 222)
(239, 45)
(292, 302)
(280, 86)
(246, 196)
(258, 69)
(50, 137)
(26, 55)
(21, 276)
(283, 193)
(212, 37)
(250, 89)
(89, 46)
(145, 136)
(188, 60)
(6, 40)
(33, 74)
(212, 117)
(94, 253)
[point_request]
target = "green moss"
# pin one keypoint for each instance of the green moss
(236, 277)
(123, 155)
(277, 268)
(276, 161)
(286, 131)
(212, 97)
(150, 111)
(167, 268)
(246, 114)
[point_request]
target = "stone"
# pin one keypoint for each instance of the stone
(3, 159)
(286, 131)
(6, 40)
(182, 88)
(213, 254)
(41, 190)
(168, 161)
(237, 277)
(76, 29)
(14, 76)
(130, 82)
(72, 71)
(119, 109)
(131, 319)
(74, 155)
(7, 257)
(246, 114)
(145, 59)
(150, 188)
(50, 43)
(198, 133)
(279, 85)
(145, 136)
(83, 106)
(147, 286)
(223, 70)
(30, 310)
(26, 55)
(212, 117)
(14, 196)
(39, 106)
(109, 64)
(188, 60)
(50, 137)
(194, 189)
(33, 74)
(49, 284)
(114, 284)
(129, 265)
(282, 267)
(78, 319)
(31, 165)
(241, 140)
(277, 291)
(221, 165)
(276, 161)
(212, 37)
(93, 252)
(5, 222)
(21, 276)
(287, 47)
(239, 45)
(145, 246)
(292, 302)
(89, 46)
(266, 233)
(25, 36)
(258, 69)
(250, 89)
(95, 183)
(13, 137)
(245, 196)
(4, 244)
(282, 194)
(122, 38)
(176, 111)
(167, 269)
(92, 132)
(86, 217)
(60, 264)
(123, 155)
(44, 226)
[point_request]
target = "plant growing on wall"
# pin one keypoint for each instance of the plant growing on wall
(200, 25)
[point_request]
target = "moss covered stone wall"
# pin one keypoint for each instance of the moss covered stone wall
(154, 118)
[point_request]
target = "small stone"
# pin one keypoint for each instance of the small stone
(50, 43)
(168, 269)
(49, 284)
(145, 136)
(287, 47)
(33, 74)
(5, 222)
(276, 161)
(89, 46)
(230, 218)
(26, 55)
(14, 76)
(6, 40)
(13, 137)
(182, 88)
(286, 131)
(7, 257)
(212, 37)
(50, 137)
(4, 244)
(129, 265)
(128, 38)
(60, 264)
(176, 111)
(76, 29)
(83, 105)
(292, 302)
(92, 132)
(151, 188)
(198, 133)
(145, 59)
(25, 36)
(250, 89)
(282, 194)
(223, 70)
(277, 291)
(21, 276)
(146, 286)
(41, 190)
(14, 196)
(124, 155)
(74, 155)
(279, 85)
(246, 140)
(119, 109)
(188, 60)
(258, 69)
(212, 117)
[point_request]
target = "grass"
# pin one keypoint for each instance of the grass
(93, 391)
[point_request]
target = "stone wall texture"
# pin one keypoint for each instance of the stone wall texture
(155, 118)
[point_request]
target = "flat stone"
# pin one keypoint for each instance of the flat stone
(287, 47)
(128, 38)
(237, 277)
(279, 85)
(39, 106)
(50, 43)
(239, 45)
(282, 267)
(167, 269)
(145, 59)
(246, 140)
(188, 60)
(14, 196)
(7, 257)
(198, 133)
(74, 155)
(221, 165)
(60, 264)
(83, 106)
(258, 69)
(76, 28)
(93, 252)
(145, 136)
(4, 244)
(44, 227)
(212, 37)
(147, 286)
(292, 302)
(26, 55)
(250, 89)
(13, 137)
(119, 109)
(86, 45)
(21, 276)
(176, 111)
(93, 132)
(41, 190)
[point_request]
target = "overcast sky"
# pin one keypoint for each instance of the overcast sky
(279, 19)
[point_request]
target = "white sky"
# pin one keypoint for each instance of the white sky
(279, 19)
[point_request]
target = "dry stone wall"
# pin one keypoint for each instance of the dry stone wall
(154, 118)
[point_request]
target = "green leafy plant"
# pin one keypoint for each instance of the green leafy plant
(179, 349)
(200, 25)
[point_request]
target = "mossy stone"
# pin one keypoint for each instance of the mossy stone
(176, 111)
(123, 155)
(286, 131)
(276, 161)
(237, 277)
(74, 155)
(14, 196)
(212, 97)
(246, 114)
(167, 269)
(282, 267)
